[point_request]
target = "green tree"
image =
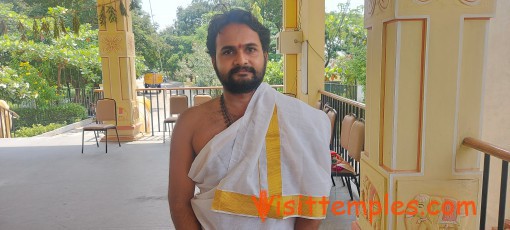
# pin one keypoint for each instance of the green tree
(85, 9)
(274, 72)
(196, 66)
(42, 52)
(147, 42)
(12, 86)
(344, 30)
(190, 18)
(189, 30)
(187, 36)
(345, 50)
(180, 47)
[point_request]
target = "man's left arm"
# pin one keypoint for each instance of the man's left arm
(303, 223)
(323, 137)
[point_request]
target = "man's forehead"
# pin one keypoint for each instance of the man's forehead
(236, 34)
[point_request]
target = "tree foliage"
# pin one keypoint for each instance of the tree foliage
(190, 18)
(39, 40)
(148, 45)
(344, 31)
(85, 9)
(345, 50)
(41, 53)
(187, 35)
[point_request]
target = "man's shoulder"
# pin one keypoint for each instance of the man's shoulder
(196, 113)
(297, 105)
(298, 111)
(303, 119)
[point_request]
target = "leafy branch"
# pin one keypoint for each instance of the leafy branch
(110, 11)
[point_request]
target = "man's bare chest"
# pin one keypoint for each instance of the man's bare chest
(205, 130)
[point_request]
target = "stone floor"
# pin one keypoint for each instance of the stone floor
(339, 222)
(47, 184)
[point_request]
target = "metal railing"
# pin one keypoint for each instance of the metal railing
(343, 106)
(495, 151)
(345, 91)
(156, 101)
(81, 96)
(7, 117)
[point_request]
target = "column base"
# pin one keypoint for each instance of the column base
(126, 133)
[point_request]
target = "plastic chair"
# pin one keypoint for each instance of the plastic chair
(178, 103)
(106, 110)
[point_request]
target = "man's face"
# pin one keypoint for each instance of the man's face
(240, 62)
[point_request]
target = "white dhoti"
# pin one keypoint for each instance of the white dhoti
(276, 155)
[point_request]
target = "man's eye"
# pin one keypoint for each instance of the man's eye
(227, 52)
(251, 49)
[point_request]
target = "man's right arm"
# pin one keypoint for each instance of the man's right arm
(181, 188)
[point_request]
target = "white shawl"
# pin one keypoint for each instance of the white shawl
(299, 171)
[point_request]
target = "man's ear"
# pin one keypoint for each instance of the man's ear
(266, 55)
(213, 61)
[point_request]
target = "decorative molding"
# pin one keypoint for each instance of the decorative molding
(470, 2)
(389, 104)
(450, 214)
(110, 44)
(369, 195)
(465, 2)
(130, 44)
(369, 7)
(422, 1)
(383, 4)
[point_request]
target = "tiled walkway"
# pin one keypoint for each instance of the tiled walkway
(47, 184)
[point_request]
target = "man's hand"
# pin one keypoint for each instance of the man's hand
(302, 223)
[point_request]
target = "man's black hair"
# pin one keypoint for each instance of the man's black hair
(219, 21)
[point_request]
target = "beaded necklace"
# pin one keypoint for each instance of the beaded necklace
(224, 111)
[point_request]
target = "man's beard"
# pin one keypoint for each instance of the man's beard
(242, 85)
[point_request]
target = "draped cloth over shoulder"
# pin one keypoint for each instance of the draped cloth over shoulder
(280, 147)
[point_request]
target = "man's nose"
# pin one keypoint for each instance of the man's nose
(241, 59)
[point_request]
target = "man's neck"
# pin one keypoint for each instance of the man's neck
(237, 103)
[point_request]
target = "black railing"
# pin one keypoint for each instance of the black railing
(345, 91)
(157, 104)
(343, 106)
(83, 96)
(504, 155)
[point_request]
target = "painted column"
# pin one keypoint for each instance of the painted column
(290, 64)
(307, 16)
(117, 50)
(425, 69)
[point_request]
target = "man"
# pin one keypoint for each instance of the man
(256, 155)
